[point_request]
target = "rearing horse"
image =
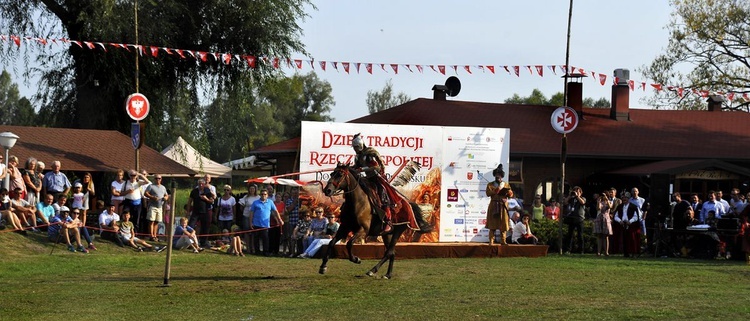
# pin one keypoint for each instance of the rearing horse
(358, 217)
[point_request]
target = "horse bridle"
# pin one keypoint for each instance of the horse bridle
(343, 176)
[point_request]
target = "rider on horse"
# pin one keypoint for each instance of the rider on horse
(368, 161)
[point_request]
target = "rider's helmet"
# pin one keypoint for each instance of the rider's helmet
(358, 143)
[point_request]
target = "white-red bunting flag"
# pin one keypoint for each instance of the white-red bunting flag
(564, 68)
(42, 41)
(4, 38)
(73, 41)
(101, 45)
(517, 71)
(203, 56)
(419, 68)
(368, 67)
(238, 58)
(382, 66)
(312, 63)
(572, 69)
(581, 71)
(553, 67)
(602, 79)
(506, 69)
(529, 69)
(227, 58)
(194, 54)
(680, 91)
(356, 66)
(643, 86)
(730, 96)
(322, 65)
(615, 80)
(433, 68)
(395, 68)
(298, 63)
(17, 41)
(657, 87)
(251, 60)
(539, 70)
(154, 51)
(491, 68)
(480, 67)
(455, 69)
(275, 61)
(467, 68)
(441, 68)
(335, 65)
(631, 85)
(346, 66)
(180, 53)
(215, 55)
(408, 67)
(704, 93)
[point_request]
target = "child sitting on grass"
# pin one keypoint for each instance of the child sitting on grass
(184, 236)
(235, 247)
(127, 234)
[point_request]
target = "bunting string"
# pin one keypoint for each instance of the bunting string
(350, 67)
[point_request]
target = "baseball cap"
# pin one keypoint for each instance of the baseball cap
(64, 209)
(77, 184)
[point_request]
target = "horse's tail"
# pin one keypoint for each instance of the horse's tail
(424, 227)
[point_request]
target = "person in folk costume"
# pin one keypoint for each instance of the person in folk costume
(368, 161)
(497, 211)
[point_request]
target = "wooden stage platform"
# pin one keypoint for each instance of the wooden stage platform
(442, 250)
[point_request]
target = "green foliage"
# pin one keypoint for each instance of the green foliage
(547, 231)
(86, 88)
(381, 100)
(538, 98)
(15, 110)
(707, 50)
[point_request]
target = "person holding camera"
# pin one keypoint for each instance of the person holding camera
(575, 213)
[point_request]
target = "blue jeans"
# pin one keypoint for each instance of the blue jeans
(315, 246)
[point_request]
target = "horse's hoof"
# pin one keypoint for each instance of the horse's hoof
(323, 270)
(357, 260)
(387, 277)
(369, 273)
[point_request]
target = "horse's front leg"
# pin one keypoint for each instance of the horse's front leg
(359, 235)
(387, 240)
(329, 250)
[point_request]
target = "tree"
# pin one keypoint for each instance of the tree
(256, 115)
(707, 51)
(86, 88)
(384, 99)
(14, 110)
(538, 98)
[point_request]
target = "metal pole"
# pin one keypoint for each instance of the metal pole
(564, 143)
(137, 84)
(170, 233)
(6, 181)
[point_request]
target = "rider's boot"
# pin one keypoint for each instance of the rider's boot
(387, 224)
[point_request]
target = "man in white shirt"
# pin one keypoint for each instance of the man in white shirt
(711, 205)
(108, 223)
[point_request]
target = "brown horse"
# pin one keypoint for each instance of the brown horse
(358, 217)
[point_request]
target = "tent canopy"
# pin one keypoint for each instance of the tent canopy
(180, 151)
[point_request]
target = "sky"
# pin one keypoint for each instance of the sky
(605, 35)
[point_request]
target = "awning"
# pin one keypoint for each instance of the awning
(678, 167)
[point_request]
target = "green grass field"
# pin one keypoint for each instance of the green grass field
(119, 284)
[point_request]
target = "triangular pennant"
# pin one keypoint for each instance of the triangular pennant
(643, 86)
(408, 68)
(704, 93)
(419, 68)
(312, 63)
(506, 69)
(298, 63)
(491, 68)
(529, 69)
(101, 45)
(368, 67)
(17, 41)
(251, 60)
(631, 85)
(215, 55)
(73, 41)
(441, 68)
(517, 71)
(395, 68)
(89, 44)
(227, 58)
(203, 56)
(154, 51)
(480, 67)
(335, 65)
(746, 96)
(658, 87)
(553, 67)
(275, 61)
(730, 96)
(680, 91)
(602, 79)
(467, 68)
(455, 69)
(356, 66)
(433, 68)
(43, 41)
(382, 66)
(323, 65)
(346, 66)
(539, 70)
(180, 53)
